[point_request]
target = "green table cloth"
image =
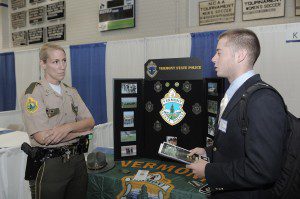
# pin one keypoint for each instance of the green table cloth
(164, 180)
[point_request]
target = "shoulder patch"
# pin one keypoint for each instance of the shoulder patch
(31, 87)
(31, 105)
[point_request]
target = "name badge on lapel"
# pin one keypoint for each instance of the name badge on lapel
(223, 125)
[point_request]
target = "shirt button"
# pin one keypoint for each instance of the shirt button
(215, 149)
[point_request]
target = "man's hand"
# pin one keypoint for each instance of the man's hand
(198, 151)
(57, 134)
(198, 168)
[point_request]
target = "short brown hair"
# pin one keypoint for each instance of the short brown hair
(48, 46)
(245, 39)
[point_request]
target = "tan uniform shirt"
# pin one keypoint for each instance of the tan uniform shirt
(44, 109)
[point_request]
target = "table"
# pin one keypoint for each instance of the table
(12, 165)
(165, 180)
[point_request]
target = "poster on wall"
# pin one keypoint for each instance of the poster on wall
(116, 14)
(36, 15)
(19, 38)
(56, 10)
(56, 32)
(18, 19)
(253, 9)
(211, 12)
(36, 36)
(297, 7)
(15, 4)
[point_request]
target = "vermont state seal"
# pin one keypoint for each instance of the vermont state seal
(172, 111)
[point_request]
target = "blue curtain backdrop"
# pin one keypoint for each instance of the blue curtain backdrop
(7, 82)
(88, 77)
(204, 47)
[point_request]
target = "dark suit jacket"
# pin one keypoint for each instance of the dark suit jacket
(244, 166)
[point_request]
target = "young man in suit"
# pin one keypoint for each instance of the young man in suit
(243, 165)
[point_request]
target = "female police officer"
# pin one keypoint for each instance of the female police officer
(55, 116)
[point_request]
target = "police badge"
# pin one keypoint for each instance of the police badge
(149, 106)
(187, 87)
(157, 86)
(196, 109)
(151, 69)
(157, 126)
(172, 111)
(185, 129)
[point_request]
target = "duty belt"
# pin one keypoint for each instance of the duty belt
(65, 152)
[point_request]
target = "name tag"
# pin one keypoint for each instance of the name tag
(223, 125)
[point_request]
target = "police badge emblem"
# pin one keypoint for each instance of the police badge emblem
(187, 86)
(185, 129)
(196, 109)
(151, 69)
(172, 111)
(149, 106)
(158, 87)
(157, 126)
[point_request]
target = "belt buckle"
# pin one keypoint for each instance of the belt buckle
(66, 156)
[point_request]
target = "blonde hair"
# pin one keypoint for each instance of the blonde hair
(45, 49)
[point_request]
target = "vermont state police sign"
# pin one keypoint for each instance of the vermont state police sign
(172, 111)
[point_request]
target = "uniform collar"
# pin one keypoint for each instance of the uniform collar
(49, 90)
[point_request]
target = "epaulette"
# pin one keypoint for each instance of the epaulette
(66, 85)
(31, 87)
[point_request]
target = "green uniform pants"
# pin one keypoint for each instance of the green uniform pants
(61, 180)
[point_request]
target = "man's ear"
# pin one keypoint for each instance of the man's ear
(241, 55)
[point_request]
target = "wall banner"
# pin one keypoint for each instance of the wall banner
(262, 9)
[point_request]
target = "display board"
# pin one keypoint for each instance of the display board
(15, 4)
(56, 32)
(176, 113)
(128, 117)
(297, 7)
(253, 9)
(214, 94)
(36, 1)
(19, 38)
(116, 14)
(45, 21)
(18, 19)
(36, 36)
(56, 10)
(36, 15)
(211, 12)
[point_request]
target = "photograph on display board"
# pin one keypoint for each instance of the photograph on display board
(128, 119)
(128, 102)
(128, 88)
(128, 136)
(212, 88)
(129, 150)
(211, 125)
(212, 106)
(171, 140)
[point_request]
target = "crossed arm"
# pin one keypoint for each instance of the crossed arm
(64, 132)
